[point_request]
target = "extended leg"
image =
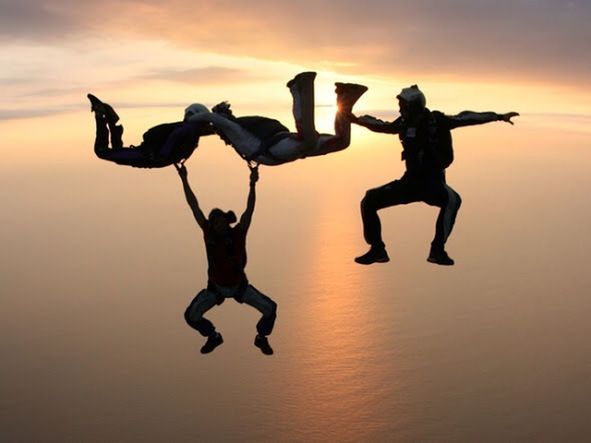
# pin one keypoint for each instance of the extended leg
(302, 91)
(101, 141)
(119, 155)
(108, 113)
(347, 96)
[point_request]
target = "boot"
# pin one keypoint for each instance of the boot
(347, 95)
(261, 342)
(440, 257)
(376, 254)
(99, 107)
(213, 341)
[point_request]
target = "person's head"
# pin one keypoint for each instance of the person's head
(220, 221)
(193, 110)
(411, 101)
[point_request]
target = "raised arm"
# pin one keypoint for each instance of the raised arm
(470, 118)
(191, 198)
(375, 124)
(246, 218)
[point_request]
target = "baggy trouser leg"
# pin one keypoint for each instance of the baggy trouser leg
(267, 307)
(302, 91)
(391, 194)
(203, 302)
(450, 205)
(342, 129)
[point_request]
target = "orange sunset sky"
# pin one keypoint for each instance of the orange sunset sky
(527, 55)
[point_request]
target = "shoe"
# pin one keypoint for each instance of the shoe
(102, 108)
(302, 76)
(374, 255)
(348, 94)
(117, 137)
(440, 258)
(95, 103)
(262, 343)
(213, 341)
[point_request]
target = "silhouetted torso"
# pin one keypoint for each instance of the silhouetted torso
(226, 256)
(421, 142)
(175, 140)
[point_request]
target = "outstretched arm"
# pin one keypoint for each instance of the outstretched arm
(246, 218)
(470, 118)
(218, 120)
(191, 198)
(375, 124)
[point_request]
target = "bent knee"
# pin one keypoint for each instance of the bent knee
(269, 308)
(369, 200)
(457, 201)
(195, 310)
(273, 307)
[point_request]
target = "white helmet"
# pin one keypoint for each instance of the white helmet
(194, 109)
(413, 96)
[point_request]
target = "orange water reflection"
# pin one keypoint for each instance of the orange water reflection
(343, 368)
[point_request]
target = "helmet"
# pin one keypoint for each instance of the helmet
(194, 109)
(413, 96)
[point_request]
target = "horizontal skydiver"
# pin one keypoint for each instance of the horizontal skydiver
(162, 145)
(268, 142)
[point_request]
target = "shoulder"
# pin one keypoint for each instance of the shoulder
(239, 231)
(441, 118)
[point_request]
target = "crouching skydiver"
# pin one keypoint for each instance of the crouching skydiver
(162, 145)
(427, 151)
(268, 142)
(226, 257)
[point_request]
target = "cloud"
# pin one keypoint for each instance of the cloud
(34, 20)
(25, 113)
(202, 76)
(517, 40)
(17, 114)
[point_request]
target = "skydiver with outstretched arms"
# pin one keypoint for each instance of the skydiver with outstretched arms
(427, 151)
(226, 256)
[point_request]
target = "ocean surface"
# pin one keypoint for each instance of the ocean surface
(98, 263)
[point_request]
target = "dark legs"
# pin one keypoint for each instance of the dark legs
(449, 202)
(394, 193)
(101, 141)
(202, 303)
(110, 117)
(207, 299)
(404, 191)
(267, 307)
(105, 128)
